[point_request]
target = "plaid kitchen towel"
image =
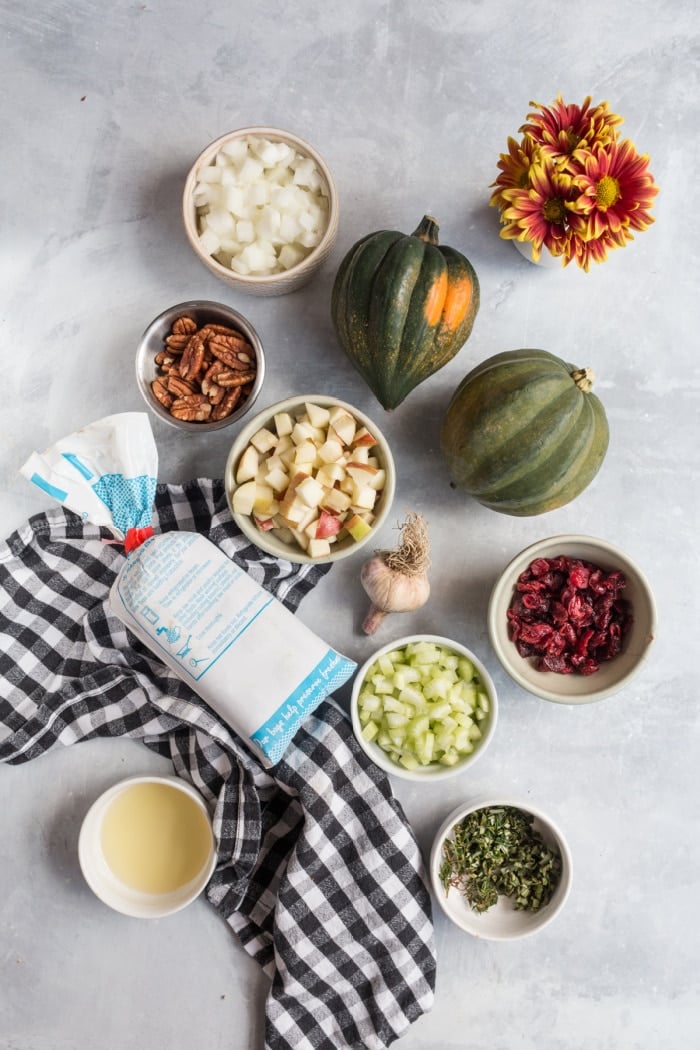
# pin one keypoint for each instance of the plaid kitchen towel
(318, 872)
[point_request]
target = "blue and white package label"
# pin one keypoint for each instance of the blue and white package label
(255, 663)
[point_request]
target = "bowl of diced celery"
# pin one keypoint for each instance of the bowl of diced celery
(423, 707)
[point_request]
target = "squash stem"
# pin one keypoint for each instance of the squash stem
(583, 378)
(427, 230)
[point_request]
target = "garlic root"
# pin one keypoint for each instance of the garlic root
(396, 580)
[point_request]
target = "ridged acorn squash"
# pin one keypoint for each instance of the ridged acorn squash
(402, 306)
(523, 434)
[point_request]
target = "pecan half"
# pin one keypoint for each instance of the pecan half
(193, 408)
(229, 377)
(180, 387)
(227, 405)
(193, 358)
(161, 393)
(184, 326)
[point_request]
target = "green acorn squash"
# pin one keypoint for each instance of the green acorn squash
(402, 306)
(523, 434)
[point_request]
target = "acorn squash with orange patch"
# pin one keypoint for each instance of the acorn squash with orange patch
(402, 307)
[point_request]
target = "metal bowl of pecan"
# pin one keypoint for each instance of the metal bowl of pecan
(572, 619)
(200, 365)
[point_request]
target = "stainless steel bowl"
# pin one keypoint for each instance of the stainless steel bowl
(152, 342)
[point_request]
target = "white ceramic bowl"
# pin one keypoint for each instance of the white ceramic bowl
(152, 342)
(268, 541)
(270, 284)
(435, 771)
(612, 675)
(500, 922)
(113, 891)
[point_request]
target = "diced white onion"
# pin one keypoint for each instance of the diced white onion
(261, 206)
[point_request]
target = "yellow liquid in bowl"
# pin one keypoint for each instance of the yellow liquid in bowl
(155, 838)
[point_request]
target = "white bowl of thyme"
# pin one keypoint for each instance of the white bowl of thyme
(500, 868)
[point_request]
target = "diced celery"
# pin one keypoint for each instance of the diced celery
(394, 719)
(404, 675)
(386, 665)
(382, 684)
(466, 669)
(392, 704)
(440, 710)
(408, 761)
(409, 695)
(420, 704)
(418, 725)
(370, 731)
(369, 702)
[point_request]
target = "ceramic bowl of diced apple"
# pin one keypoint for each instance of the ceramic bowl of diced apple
(423, 707)
(310, 479)
(260, 210)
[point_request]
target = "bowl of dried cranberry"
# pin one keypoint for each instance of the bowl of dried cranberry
(572, 619)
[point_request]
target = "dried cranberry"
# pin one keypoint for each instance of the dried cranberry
(568, 615)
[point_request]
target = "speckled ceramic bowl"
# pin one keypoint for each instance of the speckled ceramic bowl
(612, 675)
(277, 283)
(269, 540)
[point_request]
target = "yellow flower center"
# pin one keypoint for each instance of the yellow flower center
(554, 211)
(607, 192)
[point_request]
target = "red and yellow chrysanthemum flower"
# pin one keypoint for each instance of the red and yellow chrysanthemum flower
(515, 168)
(562, 130)
(543, 213)
(571, 186)
(616, 191)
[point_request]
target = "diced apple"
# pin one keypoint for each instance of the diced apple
(327, 525)
(301, 538)
(343, 425)
(364, 497)
(297, 514)
(278, 479)
(357, 527)
(244, 498)
(319, 548)
(288, 455)
(305, 453)
(310, 491)
(263, 440)
(359, 454)
(318, 415)
(337, 501)
(264, 524)
(284, 424)
(302, 432)
(283, 444)
(364, 438)
(329, 473)
(362, 473)
(378, 481)
(331, 451)
(265, 502)
(247, 465)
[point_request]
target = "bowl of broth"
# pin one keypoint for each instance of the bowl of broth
(146, 846)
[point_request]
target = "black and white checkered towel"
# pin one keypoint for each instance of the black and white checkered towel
(318, 872)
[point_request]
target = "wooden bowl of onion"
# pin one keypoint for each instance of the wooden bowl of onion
(260, 210)
(310, 479)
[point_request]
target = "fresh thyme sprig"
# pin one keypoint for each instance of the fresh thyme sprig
(496, 851)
